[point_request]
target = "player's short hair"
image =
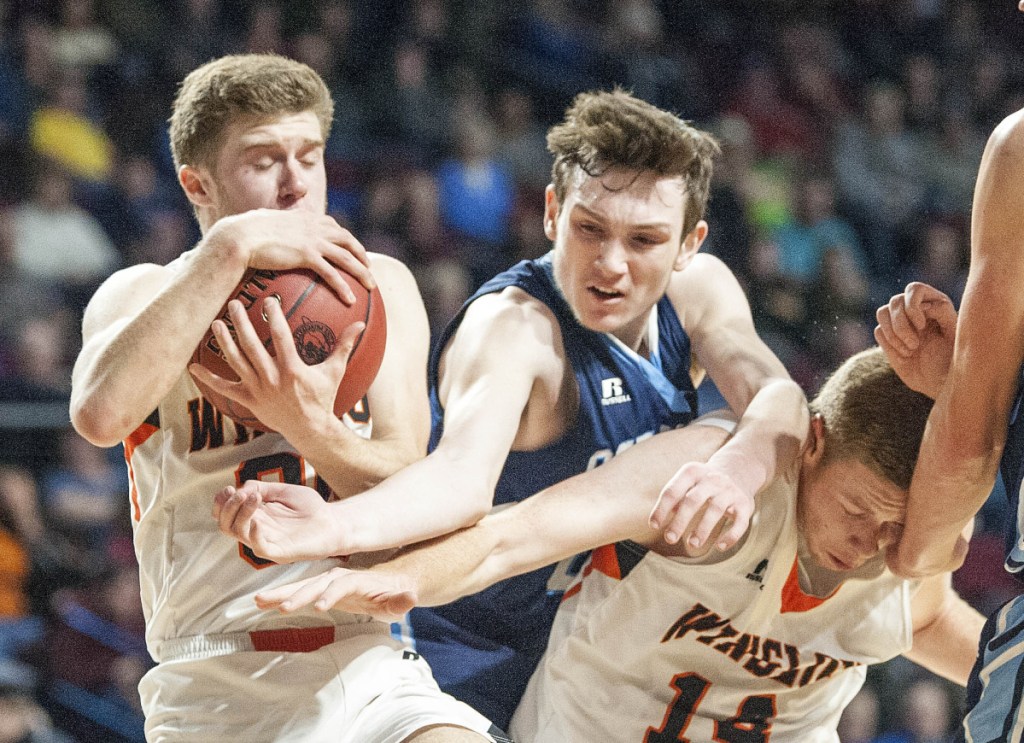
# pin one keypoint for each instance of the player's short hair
(871, 416)
(215, 94)
(608, 129)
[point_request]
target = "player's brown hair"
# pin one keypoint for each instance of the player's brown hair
(213, 95)
(608, 129)
(871, 416)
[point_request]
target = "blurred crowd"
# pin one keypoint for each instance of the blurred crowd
(851, 134)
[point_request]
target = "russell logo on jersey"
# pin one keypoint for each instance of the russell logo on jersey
(612, 392)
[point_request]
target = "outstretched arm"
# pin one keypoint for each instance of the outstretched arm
(967, 428)
(771, 407)
(604, 505)
(487, 384)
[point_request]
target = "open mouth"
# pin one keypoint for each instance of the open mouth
(605, 294)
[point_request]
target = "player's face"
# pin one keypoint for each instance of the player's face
(847, 513)
(618, 238)
(267, 163)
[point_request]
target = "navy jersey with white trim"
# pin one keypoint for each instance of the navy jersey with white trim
(623, 398)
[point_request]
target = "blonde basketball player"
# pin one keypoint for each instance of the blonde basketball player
(658, 643)
(248, 136)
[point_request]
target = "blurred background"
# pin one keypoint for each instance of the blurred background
(852, 132)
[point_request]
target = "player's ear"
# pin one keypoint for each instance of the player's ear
(814, 449)
(691, 244)
(197, 184)
(550, 212)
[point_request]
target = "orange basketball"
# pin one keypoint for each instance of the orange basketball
(317, 317)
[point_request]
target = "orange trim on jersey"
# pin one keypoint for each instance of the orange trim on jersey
(572, 590)
(136, 438)
(793, 597)
(301, 640)
(605, 560)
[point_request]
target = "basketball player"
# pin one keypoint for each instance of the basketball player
(973, 366)
(659, 642)
(247, 135)
(552, 368)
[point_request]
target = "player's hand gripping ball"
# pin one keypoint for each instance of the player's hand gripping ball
(317, 318)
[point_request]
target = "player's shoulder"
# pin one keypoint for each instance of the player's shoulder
(1008, 136)
(702, 280)
(142, 277)
(510, 309)
(702, 267)
(509, 323)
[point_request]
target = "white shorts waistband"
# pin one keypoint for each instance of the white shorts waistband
(285, 640)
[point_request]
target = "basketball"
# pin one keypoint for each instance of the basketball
(317, 317)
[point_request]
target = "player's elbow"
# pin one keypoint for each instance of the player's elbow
(101, 425)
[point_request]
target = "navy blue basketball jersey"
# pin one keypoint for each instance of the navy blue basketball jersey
(993, 703)
(483, 648)
(1012, 470)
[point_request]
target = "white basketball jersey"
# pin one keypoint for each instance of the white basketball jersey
(651, 649)
(195, 580)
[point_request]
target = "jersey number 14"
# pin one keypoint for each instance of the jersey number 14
(750, 724)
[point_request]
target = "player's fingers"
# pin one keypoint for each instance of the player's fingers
(737, 521)
(682, 517)
(230, 351)
(919, 293)
(280, 333)
(914, 296)
(271, 492)
(885, 335)
(228, 509)
(706, 523)
(274, 598)
(231, 390)
(306, 595)
(356, 592)
(377, 594)
(345, 259)
(903, 324)
(944, 314)
(671, 496)
(221, 498)
(243, 523)
(249, 342)
(334, 279)
(346, 250)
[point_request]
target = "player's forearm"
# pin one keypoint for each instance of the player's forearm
(123, 372)
(954, 476)
(770, 431)
(948, 645)
(447, 568)
(347, 462)
(504, 544)
(431, 497)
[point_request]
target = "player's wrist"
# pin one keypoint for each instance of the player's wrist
(225, 244)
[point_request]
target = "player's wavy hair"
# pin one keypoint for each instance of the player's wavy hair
(215, 94)
(871, 416)
(608, 129)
